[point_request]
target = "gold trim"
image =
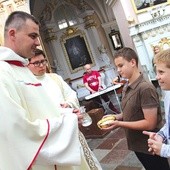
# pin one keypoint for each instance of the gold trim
(2, 9)
(19, 2)
(147, 8)
(70, 33)
(164, 43)
(50, 34)
(89, 21)
(87, 152)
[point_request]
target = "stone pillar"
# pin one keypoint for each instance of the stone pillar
(90, 26)
(50, 38)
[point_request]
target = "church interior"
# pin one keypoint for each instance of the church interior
(78, 32)
(93, 31)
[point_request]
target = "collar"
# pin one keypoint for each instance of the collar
(40, 77)
(11, 57)
(136, 82)
(15, 62)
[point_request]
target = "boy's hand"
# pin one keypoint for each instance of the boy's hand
(154, 142)
(154, 146)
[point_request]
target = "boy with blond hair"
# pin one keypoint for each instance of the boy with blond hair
(159, 143)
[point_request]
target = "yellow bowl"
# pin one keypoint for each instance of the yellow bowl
(105, 121)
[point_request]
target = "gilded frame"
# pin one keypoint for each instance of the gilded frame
(144, 8)
(76, 49)
(163, 44)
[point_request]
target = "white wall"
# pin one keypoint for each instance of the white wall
(122, 23)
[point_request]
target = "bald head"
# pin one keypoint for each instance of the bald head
(87, 68)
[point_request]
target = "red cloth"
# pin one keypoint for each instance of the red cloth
(92, 80)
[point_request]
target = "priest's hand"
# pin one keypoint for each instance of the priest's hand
(79, 115)
(64, 105)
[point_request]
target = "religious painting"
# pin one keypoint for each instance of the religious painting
(76, 50)
(143, 5)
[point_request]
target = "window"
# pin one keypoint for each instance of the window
(65, 16)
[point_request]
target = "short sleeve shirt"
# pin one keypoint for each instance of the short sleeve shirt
(92, 80)
(137, 96)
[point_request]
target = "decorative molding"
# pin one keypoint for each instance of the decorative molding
(143, 6)
(110, 24)
(50, 34)
(110, 2)
(47, 12)
(10, 8)
(19, 2)
(2, 9)
(148, 34)
(89, 21)
(70, 31)
(131, 20)
(164, 43)
(150, 25)
(89, 18)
